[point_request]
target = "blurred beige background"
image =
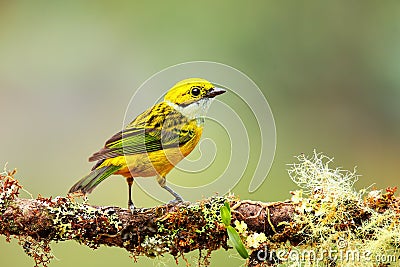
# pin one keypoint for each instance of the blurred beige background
(330, 71)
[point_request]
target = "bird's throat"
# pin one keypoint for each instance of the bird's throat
(196, 110)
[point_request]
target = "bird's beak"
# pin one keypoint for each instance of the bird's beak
(214, 92)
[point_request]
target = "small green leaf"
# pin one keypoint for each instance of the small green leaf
(225, 215)
(228, 206)
(237, 242)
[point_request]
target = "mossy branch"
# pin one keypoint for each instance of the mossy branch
(151, 231)
(325, 212)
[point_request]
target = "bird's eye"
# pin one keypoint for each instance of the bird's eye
(195, 91)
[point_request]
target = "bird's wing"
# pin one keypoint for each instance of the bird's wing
(157, 128)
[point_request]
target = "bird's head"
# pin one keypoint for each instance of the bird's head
(192, 97)
(191, 90)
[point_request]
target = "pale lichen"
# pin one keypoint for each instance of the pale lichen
(197, 222)
(343, 224)
(255, 239)
(63, 212)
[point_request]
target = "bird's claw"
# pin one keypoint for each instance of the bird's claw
(180, 201)
(131, 207)
(176, 201)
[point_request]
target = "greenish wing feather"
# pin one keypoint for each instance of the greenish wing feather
(96, 176)
(157, 133)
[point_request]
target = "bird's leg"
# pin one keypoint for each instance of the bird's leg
(130, 202)
(162, 182)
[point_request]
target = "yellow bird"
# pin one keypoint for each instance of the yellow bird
(157, 140)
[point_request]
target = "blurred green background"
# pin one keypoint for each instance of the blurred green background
(329, 69)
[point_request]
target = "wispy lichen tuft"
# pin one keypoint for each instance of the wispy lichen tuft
(349, 227)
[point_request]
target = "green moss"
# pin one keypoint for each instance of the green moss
(178, 232)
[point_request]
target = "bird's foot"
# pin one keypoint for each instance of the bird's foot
(131, 207)
(177, 201)
(174, 202)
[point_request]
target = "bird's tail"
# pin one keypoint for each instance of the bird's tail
(90, 181)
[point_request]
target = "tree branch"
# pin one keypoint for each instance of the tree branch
(318, 220)
(150, 231)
